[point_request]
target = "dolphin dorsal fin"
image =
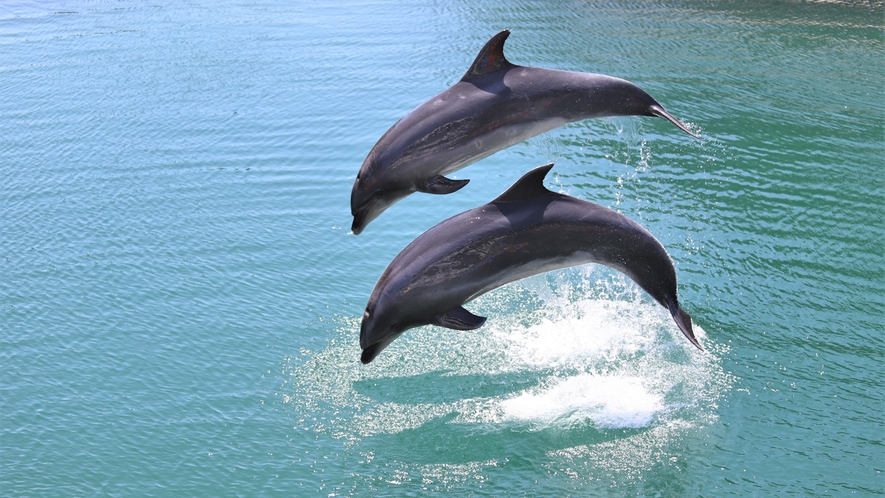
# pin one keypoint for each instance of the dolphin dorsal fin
(530, 186)
(491, 57)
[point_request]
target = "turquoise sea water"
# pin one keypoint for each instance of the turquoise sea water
(181, 296)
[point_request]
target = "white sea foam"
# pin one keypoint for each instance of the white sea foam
(590, 349)
(610, 401)
(564, 354)
(605, 354)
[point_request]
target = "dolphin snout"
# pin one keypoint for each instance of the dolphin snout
(364, 215)
(359, 222)
(372, 206)
(370, 331)
(362, 206)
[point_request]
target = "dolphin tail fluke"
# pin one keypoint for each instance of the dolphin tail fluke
(660, 112)
(684, 322)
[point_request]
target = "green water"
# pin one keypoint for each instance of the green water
(181, 296)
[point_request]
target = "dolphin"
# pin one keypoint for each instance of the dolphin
(495, 105)
(525, 231)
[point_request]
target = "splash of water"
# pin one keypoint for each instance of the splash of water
(610, 401)
(579, 371)
(582, 347)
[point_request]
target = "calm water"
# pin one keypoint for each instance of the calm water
(181, 296)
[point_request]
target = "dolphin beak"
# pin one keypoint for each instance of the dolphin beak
(369, 354)
(359, 222)
(372, 350)
(368, 211)
(363, 216)
(659, 111)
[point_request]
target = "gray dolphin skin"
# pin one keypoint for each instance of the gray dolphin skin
(526, 231)
(494, 106)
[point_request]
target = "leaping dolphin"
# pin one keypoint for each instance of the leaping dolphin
(495, 105)
(526, 231)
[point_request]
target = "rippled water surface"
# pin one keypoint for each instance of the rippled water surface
(181, 295)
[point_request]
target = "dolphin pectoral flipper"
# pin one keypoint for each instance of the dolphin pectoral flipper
(459, 319)
(441, 185)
